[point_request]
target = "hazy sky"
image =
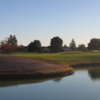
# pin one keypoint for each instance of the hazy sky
(42, 20)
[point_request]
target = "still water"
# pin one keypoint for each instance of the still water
(84, 84)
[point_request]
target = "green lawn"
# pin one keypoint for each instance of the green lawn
(66, 58)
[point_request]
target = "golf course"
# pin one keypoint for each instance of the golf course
(25, 65)
(67, 59)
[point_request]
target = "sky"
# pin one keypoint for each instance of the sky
(42, 20)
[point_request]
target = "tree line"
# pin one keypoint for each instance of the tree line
(11, 44)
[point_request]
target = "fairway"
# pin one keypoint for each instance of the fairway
(67, 59)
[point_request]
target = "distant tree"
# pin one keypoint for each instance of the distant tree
(6, 46)
(82, 47)
(56, 44)
(20, 48)
(30, 47)
(34, 46)
(12, 40)
(94, 44)
(9, 44)
(37, 46)
(1, 43)
(72, 45)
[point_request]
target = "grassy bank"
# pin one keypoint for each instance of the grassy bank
(23, 67)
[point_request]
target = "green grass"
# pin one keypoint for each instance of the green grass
(67, 58)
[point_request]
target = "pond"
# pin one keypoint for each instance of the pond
(84, 84)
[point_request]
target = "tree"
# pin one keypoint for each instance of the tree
(37, 46)
(72, 45)
(56, 44)
(9, 44)
(94, 44)
(6, 46)
(20, 48)
(30, 47)
(82, 47)
(34, 46)
(12, 40)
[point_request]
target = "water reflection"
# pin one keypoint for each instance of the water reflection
(94, 73)
(78, 86)
(58, 80)
(6, 83)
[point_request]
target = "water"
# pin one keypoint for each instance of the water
(84, 84)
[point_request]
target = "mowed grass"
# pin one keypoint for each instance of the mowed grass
(66, 58)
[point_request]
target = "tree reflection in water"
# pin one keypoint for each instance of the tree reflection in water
(58, 80)
(6, 83)
(94, 73)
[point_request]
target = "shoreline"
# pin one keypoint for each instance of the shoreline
(85, 65)
(34, 76)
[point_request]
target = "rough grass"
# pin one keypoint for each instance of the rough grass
(23, 67)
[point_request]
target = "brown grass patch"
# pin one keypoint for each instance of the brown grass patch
(21, 66)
